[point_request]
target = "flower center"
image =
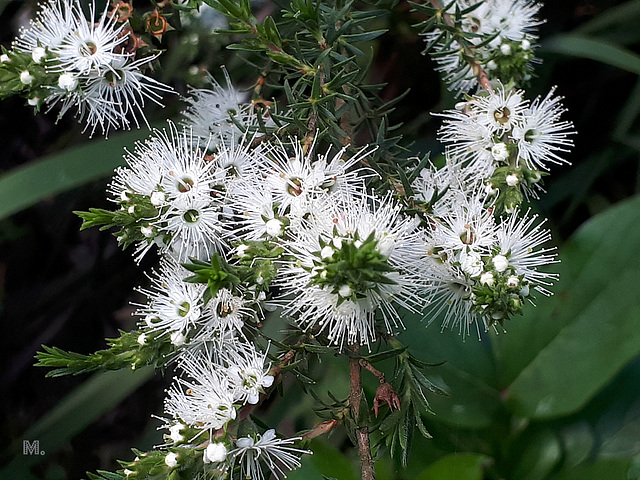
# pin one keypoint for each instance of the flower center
(502, 115)
(191, 216)
(294, 187)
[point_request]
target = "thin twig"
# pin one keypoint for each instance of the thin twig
(362, 433)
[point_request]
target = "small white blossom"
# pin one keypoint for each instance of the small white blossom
(277, 454)
(274, 227)
(505, 49)
(472, 264)
(174, 432)
(68, 82)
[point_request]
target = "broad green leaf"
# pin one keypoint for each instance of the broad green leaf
(577, 442)
(73, 414)
(610, 469)
(467, 374)
(624, 443)
(30, 183)
(574, 343)
(535, 454)
(460, 466)
(594, 49)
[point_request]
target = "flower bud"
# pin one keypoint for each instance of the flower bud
(500, 262)
(171, 459)
(26, 78)
(512, 180)
(505, 49)
(68, 82)
(38, 54)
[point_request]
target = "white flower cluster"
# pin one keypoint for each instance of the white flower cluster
(498, 146)
(502, 138)
(501, 34)
(87, 64)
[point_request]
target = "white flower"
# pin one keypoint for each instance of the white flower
(275, 453)
(451, 301)
(541, 136)
(215, 452)
(4, 58)
(523, 238)
(53, 22)
(500, 110)
(467, 226)
(203, 399)
(352, 226)
(26, 77)
(210, 112)
(117, 92)
(194, 228)
(33, 101)
(174, 305)
(512, 179)
(142, 339)
(472, 264)
(225, 313)
(247, 372)
(91, 45)
(298, 180)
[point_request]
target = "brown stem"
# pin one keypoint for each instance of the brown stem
(362, 433)
(476, 68)
(366, 365)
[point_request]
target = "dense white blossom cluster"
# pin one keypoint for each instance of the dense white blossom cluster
(246, 220)
(499, 37)
(86, 64)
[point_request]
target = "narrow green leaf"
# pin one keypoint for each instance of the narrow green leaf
(28, 184)
(594, 49)
(73, 414)
(628, 12)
